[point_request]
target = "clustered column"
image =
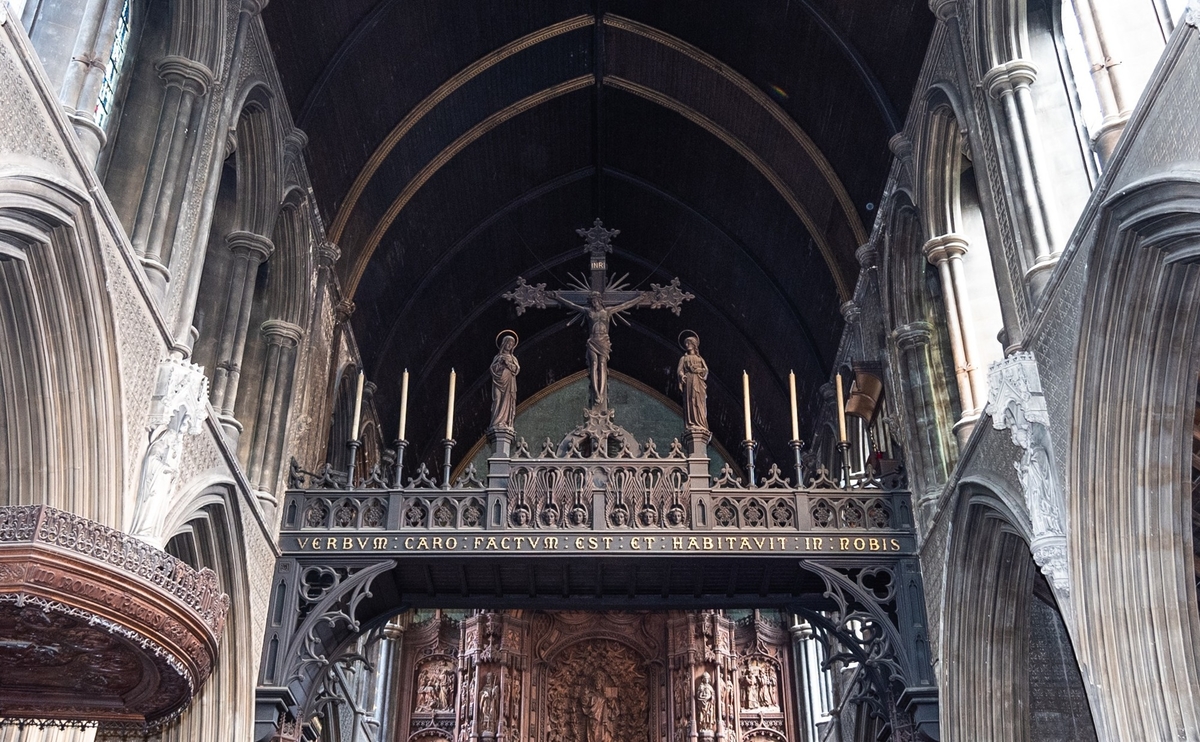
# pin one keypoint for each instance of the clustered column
(249, 252)
(1109, 89)
(187, 82)
(945, 253)
(266, 450)
(85, 74)
(913, 340)
(1009, 83)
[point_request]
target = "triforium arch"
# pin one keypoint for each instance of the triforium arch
(1129, 466)
(60, 445)
(1008, 668)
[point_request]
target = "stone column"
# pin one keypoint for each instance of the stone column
(945, 253)
(186, 82)
(274, 402)
(1114, 104)
(249, 251)
(85, 72)
(1009, 83)
(930, 464)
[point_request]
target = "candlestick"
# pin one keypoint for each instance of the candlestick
(357, 408)
(403, 405)
(398, 472)
(795, 414)
(746, 403)
(450, 408)
(841, 409)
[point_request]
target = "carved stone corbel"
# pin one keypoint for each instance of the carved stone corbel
(1016, 403)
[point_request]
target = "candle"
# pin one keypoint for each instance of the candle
(795, 414)
(403, 404)
(841, 411)
(746, 402)
(450, 409)
(357, 408)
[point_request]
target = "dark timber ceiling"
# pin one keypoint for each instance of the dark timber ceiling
(455, 144)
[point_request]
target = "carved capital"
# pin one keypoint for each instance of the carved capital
(254, 246)
(913, 335)
(867, 256)
(850, 312)
(294, 143)
(327, 254)
(1008, 76)
(343, 311)
(184, 73)
(945, 247)
(944, 9)
(279, 332)
(901, 146)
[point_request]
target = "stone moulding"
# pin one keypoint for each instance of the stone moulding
(98, 626)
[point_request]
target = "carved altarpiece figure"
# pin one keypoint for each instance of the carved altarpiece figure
(559, 676)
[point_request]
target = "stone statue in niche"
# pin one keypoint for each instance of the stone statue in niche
(504, 370)
(488, 704)
(178, 408)
(706, 704)
(692, 375)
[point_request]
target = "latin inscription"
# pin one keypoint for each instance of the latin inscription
(631, 544)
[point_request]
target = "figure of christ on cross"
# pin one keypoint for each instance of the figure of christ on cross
(599, 346)
(598, 301)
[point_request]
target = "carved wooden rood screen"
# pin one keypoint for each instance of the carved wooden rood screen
(602, 574)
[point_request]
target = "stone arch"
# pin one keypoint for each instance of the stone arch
(207, 534)
(259, 156)
(1002, 624)
(1128, 466)
(62, 436)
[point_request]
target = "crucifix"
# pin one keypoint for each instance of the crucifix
(598, 301)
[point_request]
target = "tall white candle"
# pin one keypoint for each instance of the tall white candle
(357, 408)
(403, 404)
(841, 401)
(746, 403)
(795, 414)
(450, 409)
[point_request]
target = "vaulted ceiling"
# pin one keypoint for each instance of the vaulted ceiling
(455, 145)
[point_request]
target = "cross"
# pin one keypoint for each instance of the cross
(598, 301)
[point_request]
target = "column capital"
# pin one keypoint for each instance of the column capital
(901, 146)
(343, 310)
(867, 256)
(913, 335)
(944, 9)
(184, 73)
(1008, 76)
(250, 243)
(327, 254)
(945, 247)
(294, 143)
(280, 332)
(850, 312)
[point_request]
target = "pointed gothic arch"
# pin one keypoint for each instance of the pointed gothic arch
(63, 440)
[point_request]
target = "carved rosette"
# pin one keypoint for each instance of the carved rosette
(1016, 403)
(96, 625)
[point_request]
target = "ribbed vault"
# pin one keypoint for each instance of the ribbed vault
(456, 145)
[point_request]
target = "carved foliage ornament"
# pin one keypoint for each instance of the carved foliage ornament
(1016, 403)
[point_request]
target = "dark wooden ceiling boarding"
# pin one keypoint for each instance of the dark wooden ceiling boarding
(457, 144)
